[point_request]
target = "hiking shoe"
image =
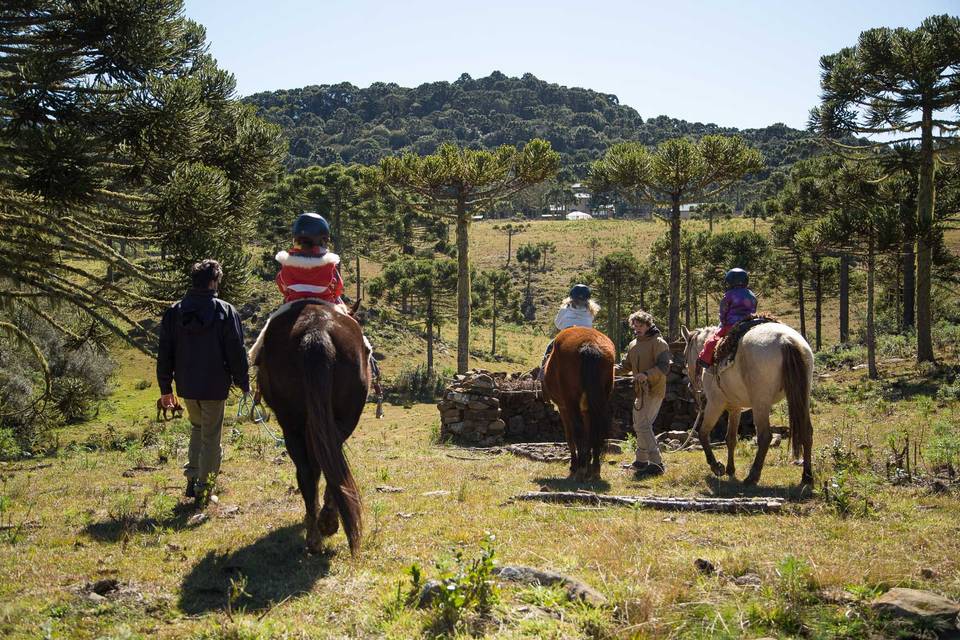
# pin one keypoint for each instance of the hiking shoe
(648, 470)
(191, 490)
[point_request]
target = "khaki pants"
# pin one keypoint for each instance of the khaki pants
(204, 453)
(645, 410)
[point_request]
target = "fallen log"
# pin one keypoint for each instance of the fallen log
(666, 503)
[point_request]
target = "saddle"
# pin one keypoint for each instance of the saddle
(726, 350)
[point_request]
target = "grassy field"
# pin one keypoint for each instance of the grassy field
(107, 506)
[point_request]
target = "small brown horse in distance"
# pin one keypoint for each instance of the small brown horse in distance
(578, 378)
(314, 373)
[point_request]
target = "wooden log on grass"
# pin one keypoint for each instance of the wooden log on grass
(665, 503)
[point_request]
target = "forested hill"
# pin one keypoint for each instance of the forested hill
(341, 122)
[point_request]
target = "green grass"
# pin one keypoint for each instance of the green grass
(84, 521)
(76, 517)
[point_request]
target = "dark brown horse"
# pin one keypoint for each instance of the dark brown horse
(579, 379)
(314, 374)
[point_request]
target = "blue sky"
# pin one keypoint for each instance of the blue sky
(735, 63)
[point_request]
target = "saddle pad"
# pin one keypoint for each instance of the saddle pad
(727, 348)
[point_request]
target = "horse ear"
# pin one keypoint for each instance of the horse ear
(685, 333)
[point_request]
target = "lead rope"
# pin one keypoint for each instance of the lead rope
(253, 410)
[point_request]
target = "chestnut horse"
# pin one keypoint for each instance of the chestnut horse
(313, 372)
(773, 362)
(578, 378)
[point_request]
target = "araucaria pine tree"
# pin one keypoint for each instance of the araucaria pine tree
(453, 184)
(119, 134)
(901, 85)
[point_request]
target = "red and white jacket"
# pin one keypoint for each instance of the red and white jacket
(309, 275)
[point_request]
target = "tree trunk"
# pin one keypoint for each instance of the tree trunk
(463, 288)
(337, 236)
(818, 300)
(844, 299)
(710, 221)
(800, 299)
(611, 315)
(909, 284)
(871, 328)
(430, 336)
(509, 246)
(358, 276)
(686, 293)
(674, 307)
(925, 203)
(706, 306)
(493, 345)
(618, 339)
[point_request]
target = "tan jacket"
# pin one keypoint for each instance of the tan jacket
(641, 357)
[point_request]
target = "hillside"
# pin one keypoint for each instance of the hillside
(345, 123)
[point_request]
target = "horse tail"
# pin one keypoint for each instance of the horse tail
(324, 440)
(597, 397)
(796, 386)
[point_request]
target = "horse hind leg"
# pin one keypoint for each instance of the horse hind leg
(307, 481)
(733, 426)
(711, 414)
(582, 435)
(566, 417)
(328, 521)
(761, 418)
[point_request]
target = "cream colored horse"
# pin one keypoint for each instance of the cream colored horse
(772, 362)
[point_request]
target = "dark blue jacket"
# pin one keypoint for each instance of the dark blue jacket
(201, 348)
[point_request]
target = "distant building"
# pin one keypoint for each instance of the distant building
(579, 215)
(686, 210)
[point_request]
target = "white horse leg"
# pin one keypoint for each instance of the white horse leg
(711, 414)
(733, 425)
(761, 419)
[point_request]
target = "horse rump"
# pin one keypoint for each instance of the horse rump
(323, 437)
(796, 386)
(596, 383)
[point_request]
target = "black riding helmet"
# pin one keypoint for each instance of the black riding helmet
(736, 277)
(310, 225)
(580, 292)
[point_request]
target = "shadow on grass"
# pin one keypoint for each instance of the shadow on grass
(569, 484)
(275, 568)
(119, 529)
(726, 487)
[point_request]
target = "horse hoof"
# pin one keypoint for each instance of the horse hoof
(718, 469)
(751, 480)
(806, 480)
(731, 473)
(314, 542)
(328, 522)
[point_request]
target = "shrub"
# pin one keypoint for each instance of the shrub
(944, 448)
(463, 586)
(841, 356)
(79, 380)
(415, 385)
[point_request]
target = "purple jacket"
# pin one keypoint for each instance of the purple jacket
(737, 304)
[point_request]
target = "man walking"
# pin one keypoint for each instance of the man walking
(648, 359)
(201, 349)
